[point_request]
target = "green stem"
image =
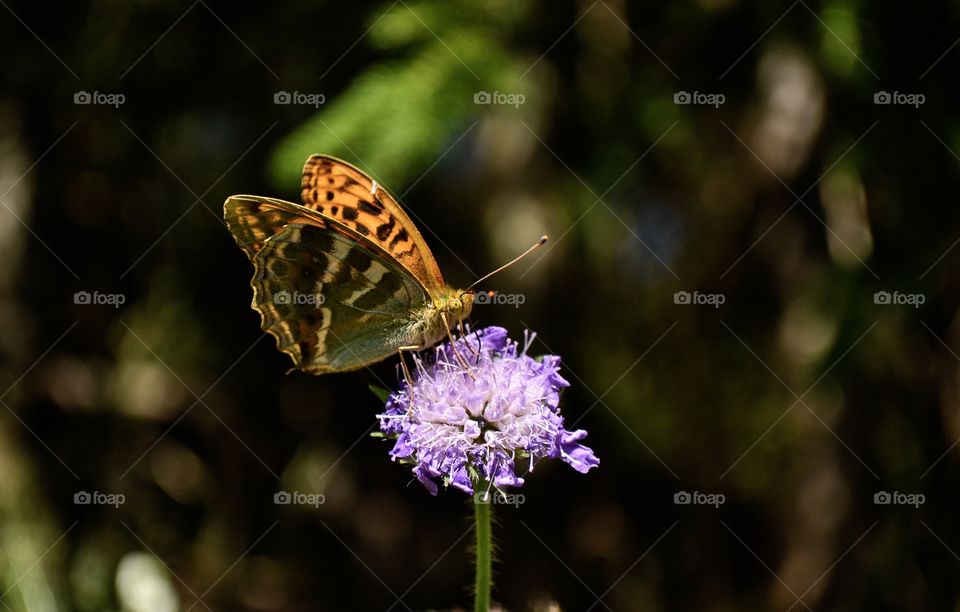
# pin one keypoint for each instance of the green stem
(484, 552)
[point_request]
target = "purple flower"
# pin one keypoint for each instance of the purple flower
(475, 426)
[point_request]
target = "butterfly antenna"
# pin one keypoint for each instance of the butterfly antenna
(539, 243)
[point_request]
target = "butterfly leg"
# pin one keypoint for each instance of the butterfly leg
(406, 371)
(453, 346)
(463, 334)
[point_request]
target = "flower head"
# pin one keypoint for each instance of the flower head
(475, 425)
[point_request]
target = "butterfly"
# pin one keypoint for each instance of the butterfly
(346, 279)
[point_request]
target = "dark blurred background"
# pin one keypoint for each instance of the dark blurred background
(792, 167)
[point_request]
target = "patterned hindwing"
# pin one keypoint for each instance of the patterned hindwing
(341, 191)
(332, 303)
(254, 219)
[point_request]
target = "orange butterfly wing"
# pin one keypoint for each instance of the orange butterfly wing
(342, 191)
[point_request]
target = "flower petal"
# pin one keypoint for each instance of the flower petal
(580, 457)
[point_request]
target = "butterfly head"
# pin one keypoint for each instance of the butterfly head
(457, 304)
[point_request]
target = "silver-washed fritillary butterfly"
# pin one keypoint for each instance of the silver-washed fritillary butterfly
(344, 280)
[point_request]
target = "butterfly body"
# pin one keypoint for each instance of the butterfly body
(346, 279)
